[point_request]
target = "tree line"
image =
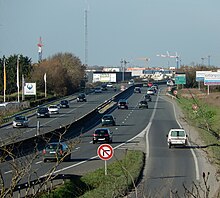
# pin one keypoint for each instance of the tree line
(65, 73)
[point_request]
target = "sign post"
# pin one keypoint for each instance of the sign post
(105, 152)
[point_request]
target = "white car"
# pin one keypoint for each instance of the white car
(20, 121)
(53, 109)
(151, 91)
(109, 85)
(177, 137)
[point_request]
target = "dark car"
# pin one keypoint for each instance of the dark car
(56, 151)
(102, 135)
(81, 97)
(148, 98)
(108, 119)
(64, 104)
(143, 104)
(20, 121)
(104, 87)
(122, 104)
(43, 112)
(137, 90)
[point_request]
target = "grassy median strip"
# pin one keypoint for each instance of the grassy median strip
(122, 175)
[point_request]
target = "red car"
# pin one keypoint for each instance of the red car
(150, 84)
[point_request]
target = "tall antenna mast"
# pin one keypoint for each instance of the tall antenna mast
(86, 37)
(40, 45)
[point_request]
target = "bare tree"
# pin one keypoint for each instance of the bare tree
(22, 166)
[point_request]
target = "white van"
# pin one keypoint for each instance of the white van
(176, 137)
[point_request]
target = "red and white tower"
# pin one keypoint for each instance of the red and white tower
(40, 45)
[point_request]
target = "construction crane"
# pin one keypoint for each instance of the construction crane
(167, 55)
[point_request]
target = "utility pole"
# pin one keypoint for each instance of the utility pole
(86, 37)
(203, 60)
(209, 60)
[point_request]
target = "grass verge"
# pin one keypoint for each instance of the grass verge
(122, 176)
(206, 120)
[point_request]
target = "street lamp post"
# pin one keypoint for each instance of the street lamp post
(122, 69)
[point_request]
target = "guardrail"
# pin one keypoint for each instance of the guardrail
(73, 130)
(8, 118)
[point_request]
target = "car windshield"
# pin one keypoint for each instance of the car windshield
(178, 134)
(107, 117)
(64, 102)
(53, 146)
(143, 102)
(42, 110)
(53, 107)
(81, 95)
(101, 131)
(122, 103)
(19, 118)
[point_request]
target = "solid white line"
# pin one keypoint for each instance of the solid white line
(116, 147)
(8, 172)
(192, 151)
(39, 162)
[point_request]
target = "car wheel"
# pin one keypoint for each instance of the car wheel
(93, 142)
(44, 160)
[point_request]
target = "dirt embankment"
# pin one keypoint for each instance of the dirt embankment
(213, 98)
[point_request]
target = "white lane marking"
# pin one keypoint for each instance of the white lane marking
(192, 151)
(39, 162)
(8, 172)
(116, 147)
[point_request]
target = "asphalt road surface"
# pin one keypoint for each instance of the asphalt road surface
(166, 169)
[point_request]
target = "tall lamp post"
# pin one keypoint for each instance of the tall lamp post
(123, 66)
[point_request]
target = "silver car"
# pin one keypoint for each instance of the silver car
(20, 121)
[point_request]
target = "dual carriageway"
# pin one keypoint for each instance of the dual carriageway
(165, 168)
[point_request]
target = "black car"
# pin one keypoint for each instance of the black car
(108, 119)
(104, 87)
(81, 97)
(122, 104)
(143, 104)
(56, 151)
(64, 104)
(43, 112)
(148, 98)
(137, 90)
(102, 135)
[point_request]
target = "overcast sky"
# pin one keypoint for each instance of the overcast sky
(128, 29)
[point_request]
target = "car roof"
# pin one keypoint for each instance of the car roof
(177, 129)
(122, 100)
(42, 108)
(107, 115)
(64, 101)
(97, 129)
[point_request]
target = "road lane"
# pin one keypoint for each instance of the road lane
(65, 117)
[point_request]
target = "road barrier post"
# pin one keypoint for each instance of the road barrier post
(38, 128)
